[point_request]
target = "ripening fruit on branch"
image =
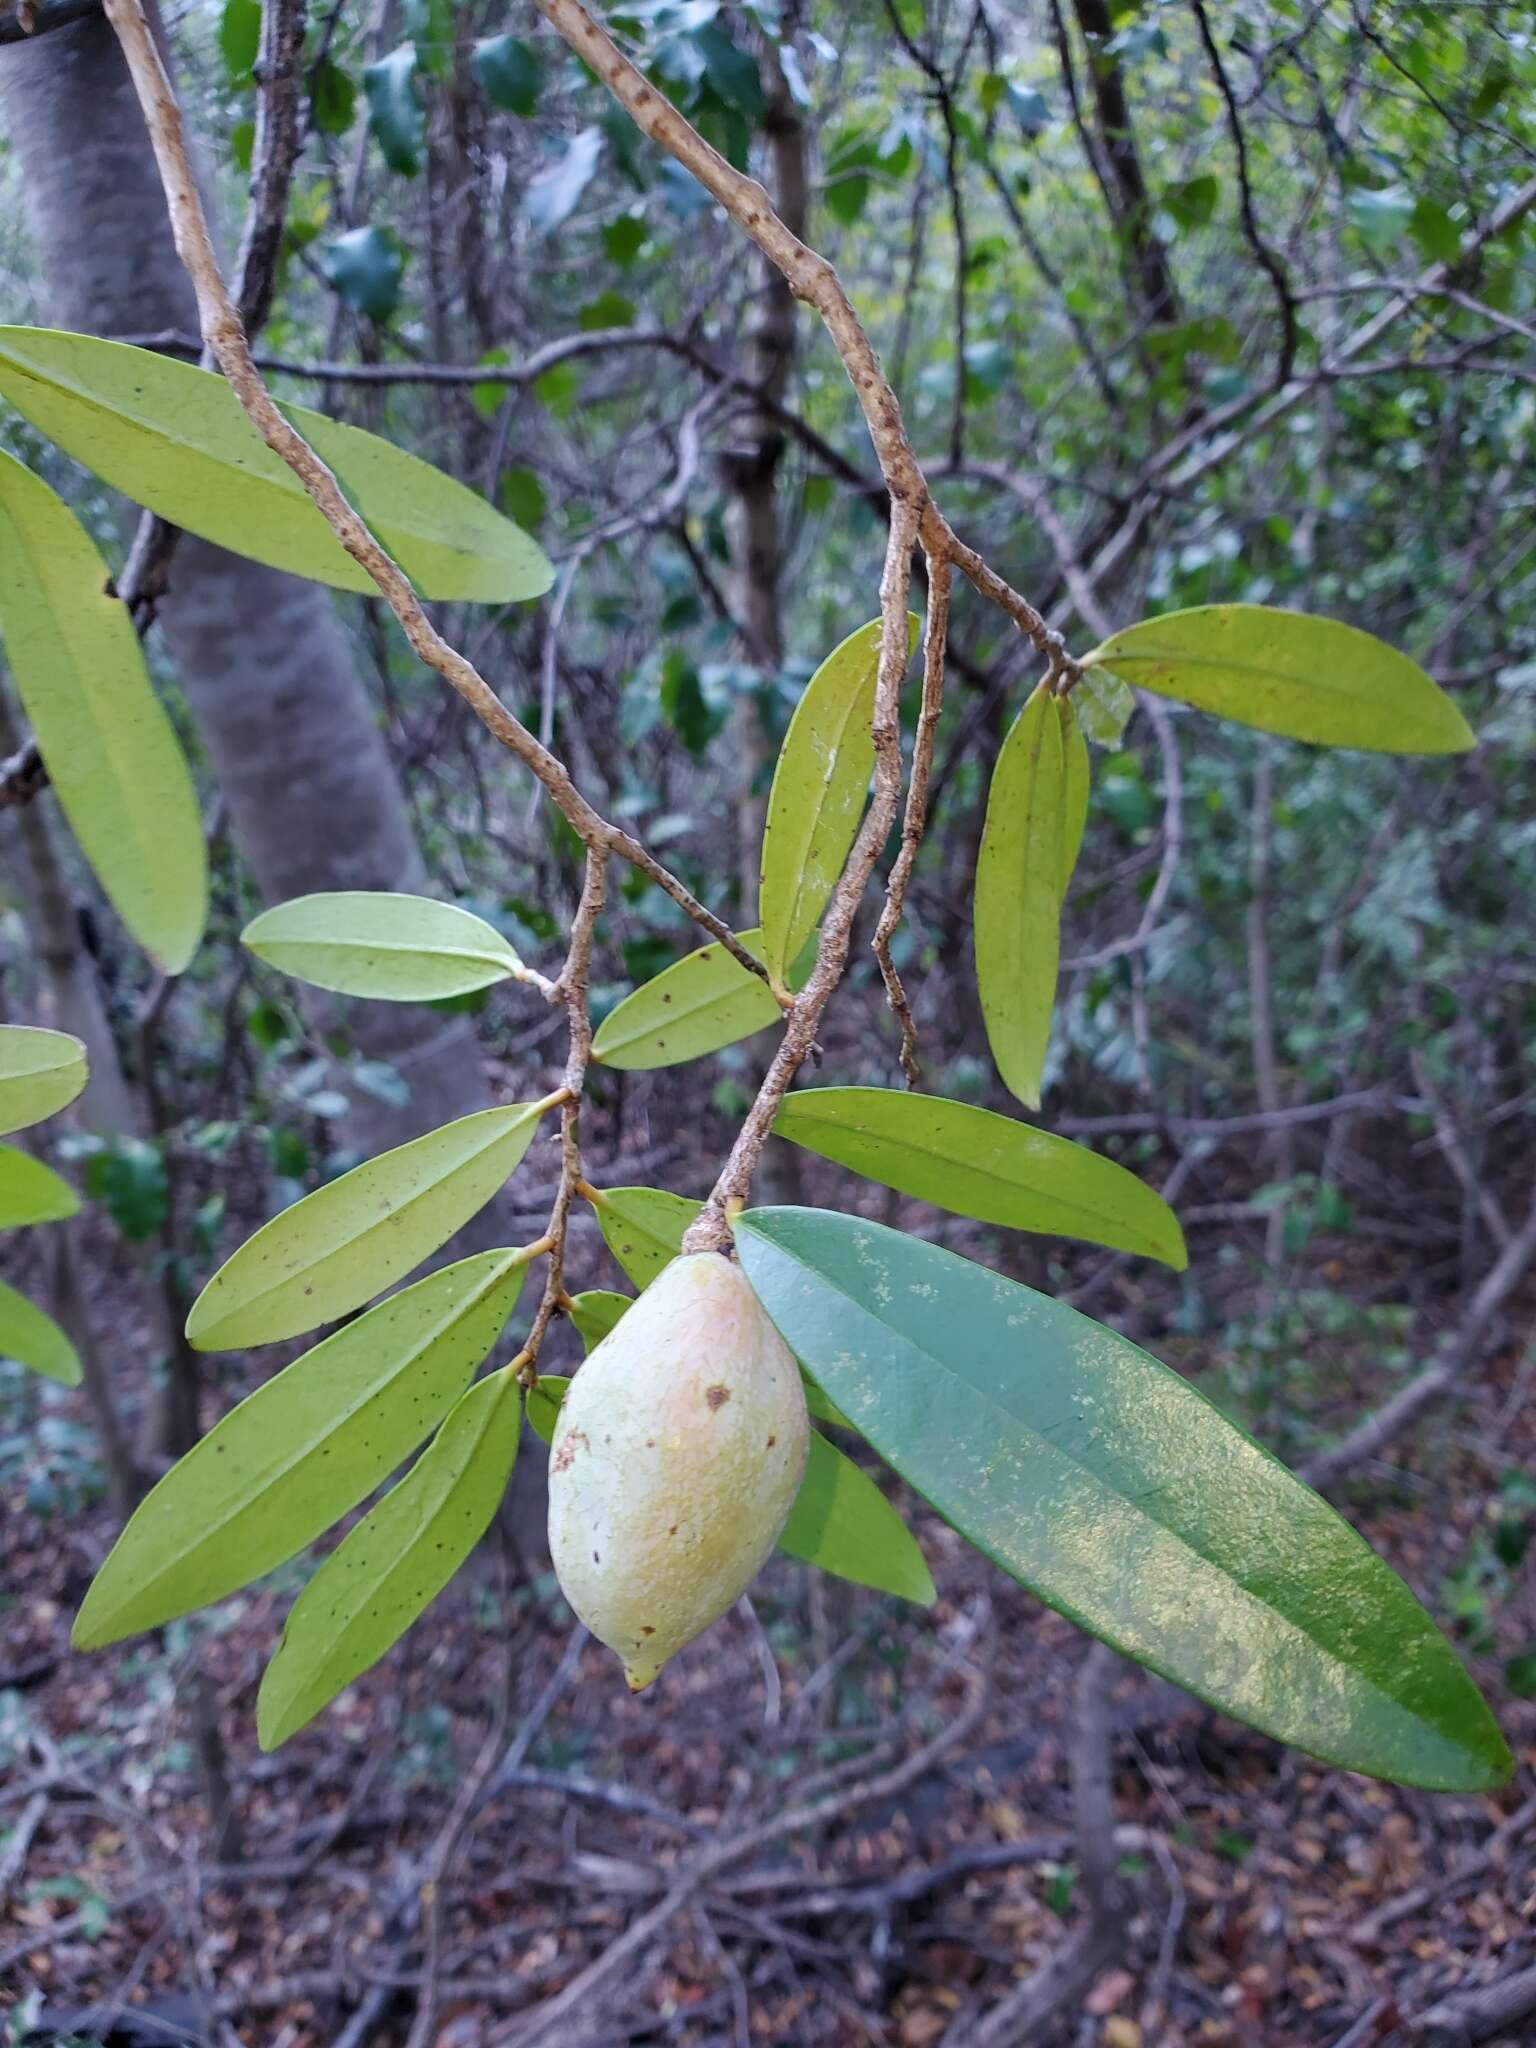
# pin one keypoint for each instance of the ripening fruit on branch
(679, 1451)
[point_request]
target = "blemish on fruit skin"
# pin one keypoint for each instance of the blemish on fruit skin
(716, 1397)
(771, 1442)
(570, 1444)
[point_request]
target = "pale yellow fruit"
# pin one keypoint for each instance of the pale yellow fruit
(679, 1450)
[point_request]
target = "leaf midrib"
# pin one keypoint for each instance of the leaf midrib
(244, 1305)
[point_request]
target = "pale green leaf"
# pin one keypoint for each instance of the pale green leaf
(975, 1163)
(818, 793)
(111, 753)
(173, 437)
(1018, 896)
(302, 1450)
(544, 1404)
(1075, 778)
(31, 1192)
(397, 1560)
(695, 1006)
(40, 1072)
(1287, 672)
(595, 1312)
(1118, 1494)
(372, 942)
(642, 1227)
(332, 1251)
(842, 1523)
(35, 1340)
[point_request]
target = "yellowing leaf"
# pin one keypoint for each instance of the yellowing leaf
(643, 1227)
(333, 1250)
(40, 1071)
(1074, 797)
(395, 1562)
(110, 751)
(35, 1340)
(975, 1163)
(695, 1006)
(31, 1192)
(308, 1445)
(1018, 896)
(173, 437)
(842, 1523)
(372, 942)
(1287, 672)
(818, 793)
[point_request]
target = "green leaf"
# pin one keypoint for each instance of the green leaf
(1121, 1496)
(509, 72)
(818, 793)
(700, 1003)
(394, 112)
(1287, 672)
(553, 196)
(331, 1251)
(332, 97)
(395, 1562)
(35, 1340)
(1381, 218)
(975, 1163)
(731, 71)
(1434, 232)
(595, 1312)
(240, 39)
(40, 1071)
(111, 753)
(372, 942)
(302, 1450)
(1104, 705)
(364, 268)
(842, 1523)
(1074, 797)
(1018, 896)
(173, 438)
(544, 1404)
(642, 1227)
(31, 1192)
(128, 1176)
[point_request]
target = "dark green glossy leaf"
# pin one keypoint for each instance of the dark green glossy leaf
(364, 267)
(302, 1450)
(395, 1562)
(1287, 672)
(976, 1163)
(394, 112)
(1117, 1493)
(509, 73)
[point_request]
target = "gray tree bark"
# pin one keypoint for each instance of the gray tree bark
(263, 658)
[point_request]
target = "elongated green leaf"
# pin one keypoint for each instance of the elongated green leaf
(31, 1192)
(302, 1450)
(1120, 1495)
(337, 1247)
(40, 1071)
(111, 753)
(35, 1340)
(1287, 672)
(818, 793)
(695, 1006)
(173, 437)
(396, 1561)
(1018, 896)
(842, 1523)
(595, 1313)
(975, 1163)
(1074, 796)
(643, 1228)
(372, 942)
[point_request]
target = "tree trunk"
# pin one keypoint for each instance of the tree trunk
(263, 658)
